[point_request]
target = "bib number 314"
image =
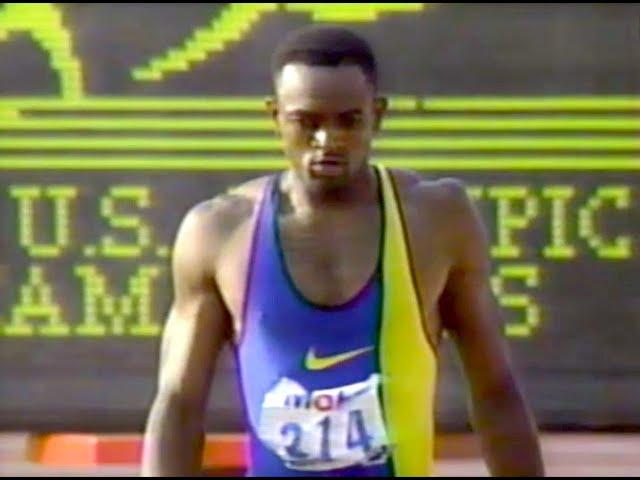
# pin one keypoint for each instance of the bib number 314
(327, 429)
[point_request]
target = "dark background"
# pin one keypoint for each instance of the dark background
(580, 368)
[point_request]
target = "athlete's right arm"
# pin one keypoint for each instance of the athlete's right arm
(196, 329)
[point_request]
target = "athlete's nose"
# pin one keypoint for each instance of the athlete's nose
(326, 139)
(321, 138)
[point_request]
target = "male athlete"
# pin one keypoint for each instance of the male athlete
(335, 281)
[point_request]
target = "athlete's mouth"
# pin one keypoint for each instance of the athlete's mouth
(329, 159)
(328, 165)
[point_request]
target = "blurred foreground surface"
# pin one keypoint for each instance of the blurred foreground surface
(575, 455)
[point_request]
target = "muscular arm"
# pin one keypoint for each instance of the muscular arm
(196, 328)
(471, 316)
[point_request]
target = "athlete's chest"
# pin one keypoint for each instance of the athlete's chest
(330, 257)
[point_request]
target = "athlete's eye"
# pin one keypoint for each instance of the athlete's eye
(306, 122)
(350, 120)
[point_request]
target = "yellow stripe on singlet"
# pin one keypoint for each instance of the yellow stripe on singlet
(407, 360)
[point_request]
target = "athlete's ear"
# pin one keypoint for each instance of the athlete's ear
(271, 104)
(379, 109)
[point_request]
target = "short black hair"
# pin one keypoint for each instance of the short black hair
(325, 45)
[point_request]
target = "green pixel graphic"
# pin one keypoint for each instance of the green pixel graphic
(43, 21)
(554, 136)
(236, 20)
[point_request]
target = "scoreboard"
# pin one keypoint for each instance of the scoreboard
(93, 185)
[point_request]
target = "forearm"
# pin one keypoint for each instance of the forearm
(173, 440)
(508, 434)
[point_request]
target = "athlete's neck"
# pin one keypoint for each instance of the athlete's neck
(360, 191)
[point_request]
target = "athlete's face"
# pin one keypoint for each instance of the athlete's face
(326, 118)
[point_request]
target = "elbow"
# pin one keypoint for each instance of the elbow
(169, 403)
(502, 395)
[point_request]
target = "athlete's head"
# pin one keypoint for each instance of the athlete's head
(326, 107)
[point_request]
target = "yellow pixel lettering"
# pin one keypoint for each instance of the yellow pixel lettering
(530, 318)
(129, 314)
(36, 303)
(559, 247)
(26, 195)
(509, 220)
(618, 249)
(141, 197)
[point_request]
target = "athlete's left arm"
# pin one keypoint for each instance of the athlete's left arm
(471, 316)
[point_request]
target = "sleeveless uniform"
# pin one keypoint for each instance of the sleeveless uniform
(344, 390)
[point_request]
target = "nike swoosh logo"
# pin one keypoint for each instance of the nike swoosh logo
(312, 362)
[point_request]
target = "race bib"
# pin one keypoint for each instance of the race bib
(324, 429)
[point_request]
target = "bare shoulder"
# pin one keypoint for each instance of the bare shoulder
(442, 209)
(208, 225)
(443, 195)
(223, 213)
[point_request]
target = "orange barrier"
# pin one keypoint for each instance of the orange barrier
(221, 451)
